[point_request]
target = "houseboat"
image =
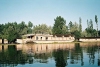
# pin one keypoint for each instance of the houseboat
(46, 38)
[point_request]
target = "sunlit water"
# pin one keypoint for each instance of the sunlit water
(50, 55)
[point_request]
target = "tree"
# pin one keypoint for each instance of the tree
(70, 25)
(77, 34)
(59, 26)
(99, 32)
(23, 28)
(30, 25)
(43, 29)
(13, 31)
(84, 33)
(89, 29)
(80, 26)
(96, 20)
(74, 29)
(1, 29)
(73, 26)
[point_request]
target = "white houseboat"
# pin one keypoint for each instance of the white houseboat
(46, 38)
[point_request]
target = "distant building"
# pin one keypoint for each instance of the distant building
(89, 39)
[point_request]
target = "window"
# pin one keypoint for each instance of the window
(46, 38)
(41, 38)
(36, 38)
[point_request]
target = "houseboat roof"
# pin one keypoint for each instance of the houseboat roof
(57, 35)
(29, 35)
(60, 35)
(37, 35)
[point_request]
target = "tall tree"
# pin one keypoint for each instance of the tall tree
(1, 29)
(30, 25)
(89, 29)
(80, 26)
(23, 28)
(59, 26)
(70, 25)
(99, 32)
(96, 20)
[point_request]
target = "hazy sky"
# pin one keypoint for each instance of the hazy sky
(44, 11)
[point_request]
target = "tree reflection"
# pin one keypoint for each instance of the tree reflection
(60, 59)
(98, 55)
(11, 57)
(91, 52)
(77, 54)
(42, 57)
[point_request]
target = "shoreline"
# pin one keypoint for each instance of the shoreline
(52, 43)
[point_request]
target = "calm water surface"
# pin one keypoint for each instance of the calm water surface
(50, 55)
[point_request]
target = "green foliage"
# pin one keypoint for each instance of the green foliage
(77, 34)
(30, 25)
(90, 31)
(73, 26)
(96, 20)
(70, 25)
(74, 29)
(99, 32)
(1, 29)
(12, 31)
(80, 26)
(43, 28)
(84, 33)
(59, 26)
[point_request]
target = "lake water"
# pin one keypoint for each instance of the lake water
(50, 55)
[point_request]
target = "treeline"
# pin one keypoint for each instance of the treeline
(13, 30)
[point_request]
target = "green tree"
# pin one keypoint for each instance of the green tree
(74, 29)
(59, 26)
(77, 35)
(12, 31)
(23, 28)
(84, 33)
(43, 29)
(99, 32)
(96, 20)
(73, 26)
(30, 25)
(89, 29)
(70, 25)
(80, 26)
(1, 29)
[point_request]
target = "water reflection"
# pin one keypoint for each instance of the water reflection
(60, 57)
(64, 55)
(11, 57)
(77, 55)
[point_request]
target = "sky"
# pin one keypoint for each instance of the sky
(45, 11)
